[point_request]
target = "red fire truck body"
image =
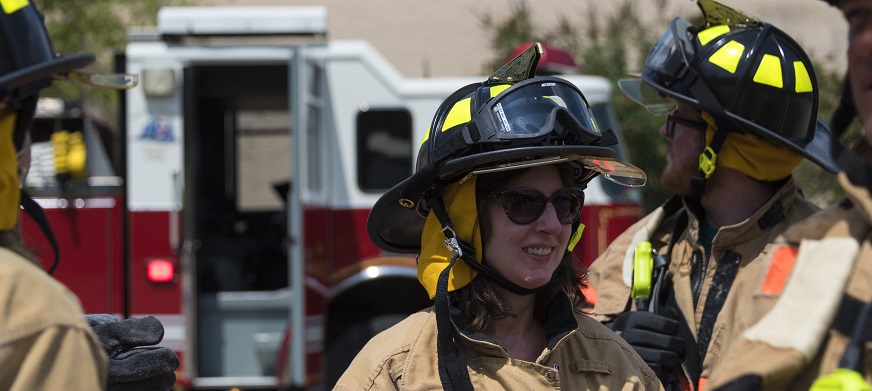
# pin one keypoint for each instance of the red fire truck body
(244, 180)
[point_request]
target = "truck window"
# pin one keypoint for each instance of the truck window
(384, 148)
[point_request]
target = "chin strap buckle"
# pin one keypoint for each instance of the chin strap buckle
(707, 161)
(451, 242)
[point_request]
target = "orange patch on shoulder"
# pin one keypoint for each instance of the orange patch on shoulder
(782, 261)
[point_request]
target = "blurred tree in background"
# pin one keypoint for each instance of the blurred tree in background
(98, 27)
(616, 45)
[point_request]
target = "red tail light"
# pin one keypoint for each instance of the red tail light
(160, 270)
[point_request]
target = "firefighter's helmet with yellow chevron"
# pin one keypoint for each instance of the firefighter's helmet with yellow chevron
(510, 121)
(747, 74)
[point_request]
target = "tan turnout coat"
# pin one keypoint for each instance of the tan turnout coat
(734, 257)
(45, 342)
(581, 355)
(793, 330)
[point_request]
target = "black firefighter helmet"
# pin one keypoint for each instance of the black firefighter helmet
(510, 121)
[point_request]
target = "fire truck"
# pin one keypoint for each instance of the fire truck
(232, 204)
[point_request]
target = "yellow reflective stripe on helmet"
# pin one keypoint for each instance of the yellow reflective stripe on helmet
(426, 135)
(769, 72)
(495, 90)
(459, 114)
(709, 34)
(728, 56)
(10, 6)
(803, 80)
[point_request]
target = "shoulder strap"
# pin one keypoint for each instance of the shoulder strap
(663, 300)
(36, 213)
(854, 319)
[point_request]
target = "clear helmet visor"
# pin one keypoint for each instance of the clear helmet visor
(667, 62)
(613, 170)
(617, 171)
(115, 81)
(646, 96)
(535, 109)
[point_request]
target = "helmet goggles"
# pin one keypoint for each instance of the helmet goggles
(532, 111)
(672, 53)
(747, 74)
(669, 61)
(670, 58)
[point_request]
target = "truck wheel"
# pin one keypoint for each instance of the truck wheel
(346, 346)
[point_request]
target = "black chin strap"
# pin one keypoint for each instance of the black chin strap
(452, 368)
(35, 211)
(467, 251)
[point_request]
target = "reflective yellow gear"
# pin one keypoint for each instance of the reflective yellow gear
(460, 202)
(643, 270)
(769, 70)
(60, 144)
(9, 191)
(10, 6)
(728, 56)
(841, 380)
(76, 156)
(69, 154)
(752, 155)
(576, 236)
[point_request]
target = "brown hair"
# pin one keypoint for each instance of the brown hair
(479, 301)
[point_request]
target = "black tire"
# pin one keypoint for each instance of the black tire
(346, 346)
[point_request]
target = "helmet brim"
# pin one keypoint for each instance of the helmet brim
(43, 71)
(648, 77)
(818, 150)
(396, 228)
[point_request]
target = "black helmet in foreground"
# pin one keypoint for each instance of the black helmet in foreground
(512, 120)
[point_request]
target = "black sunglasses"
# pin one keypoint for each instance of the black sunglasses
(672, 120)
(524, 205)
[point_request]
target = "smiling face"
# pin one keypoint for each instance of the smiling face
(858, 13)
(527, 255)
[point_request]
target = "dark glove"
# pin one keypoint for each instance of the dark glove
(135, 365)
(655, 338)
